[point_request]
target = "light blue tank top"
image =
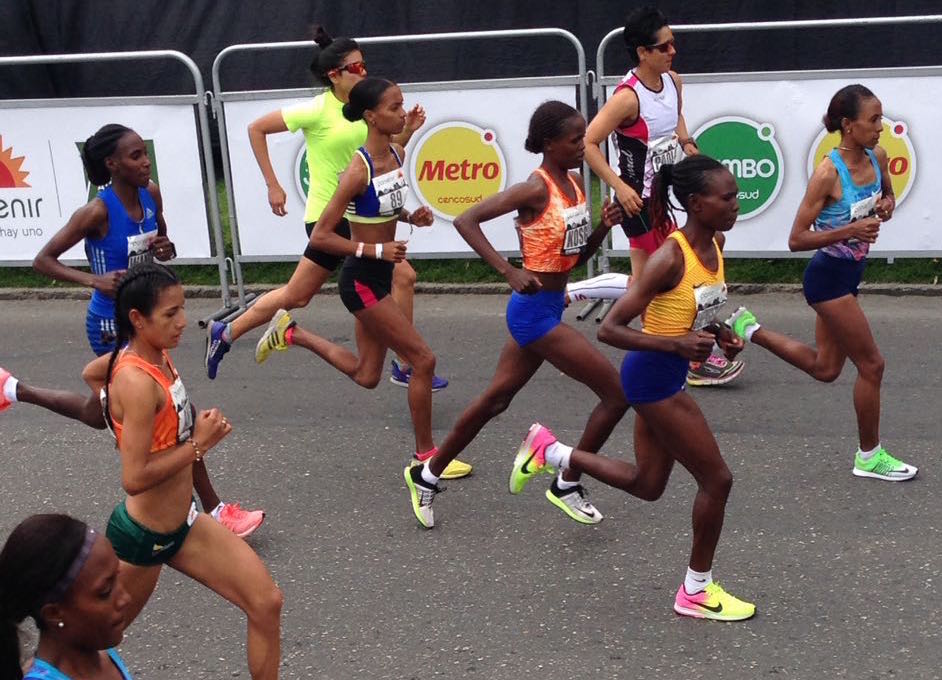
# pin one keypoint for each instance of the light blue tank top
(40, 670)
(125, 244)
(856, 203)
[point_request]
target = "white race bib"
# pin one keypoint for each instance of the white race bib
(578, 228)
(139, 248)
(181, 404)
(391, 190)
(664, 150)
(865, 207)
(710, 300)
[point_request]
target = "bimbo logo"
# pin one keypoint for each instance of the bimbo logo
(302, 173)
(895, 141)
(12, 175)
(456, 165)
(751, 153)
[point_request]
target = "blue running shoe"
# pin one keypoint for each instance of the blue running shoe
(400, 376)
(216, 348)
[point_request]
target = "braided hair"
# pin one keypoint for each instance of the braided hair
(547, 123)
(139, 289)
(97, 148)
(34, 559)
(329, 54)
(689, 176)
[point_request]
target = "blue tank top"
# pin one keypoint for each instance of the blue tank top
(40, 670)
(856, 203)
(126, 243)
(384, 196)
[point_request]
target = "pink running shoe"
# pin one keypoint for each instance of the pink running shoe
(4, 402)
(531, 457)
(240, 522)
(713, 603)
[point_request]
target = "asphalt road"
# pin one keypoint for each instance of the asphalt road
(844, 571)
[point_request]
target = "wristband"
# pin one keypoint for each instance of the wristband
(688, 140)
(360, 249)
(378, 251)
(196, 449)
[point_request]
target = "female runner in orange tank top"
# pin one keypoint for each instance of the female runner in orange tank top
(555, 236)
(159, 440)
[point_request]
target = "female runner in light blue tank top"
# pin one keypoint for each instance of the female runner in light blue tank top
(848, 198)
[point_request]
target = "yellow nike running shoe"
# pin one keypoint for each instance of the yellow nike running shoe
(712, 603)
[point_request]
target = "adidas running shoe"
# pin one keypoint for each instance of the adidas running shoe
(274, 336)
(712, 603)
(456, 469)
(216, 348)
(882, 465)
(531, 457)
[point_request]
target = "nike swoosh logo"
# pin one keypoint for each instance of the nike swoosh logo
(160, 548)
(716, 610)
(523, 468)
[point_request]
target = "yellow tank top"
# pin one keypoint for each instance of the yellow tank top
(692, 304)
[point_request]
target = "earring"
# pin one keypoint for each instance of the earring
(61, 624)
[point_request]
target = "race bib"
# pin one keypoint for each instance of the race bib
(391, 190)
(139, 248)
(710, 300)
(865, 207)
(181, 405)
(578, 228)
(664, 150)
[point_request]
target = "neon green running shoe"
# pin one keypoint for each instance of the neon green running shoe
(274, 336)
(422, 495)
(882, 465)
(741, 321)
(531, 457)
(713, 603)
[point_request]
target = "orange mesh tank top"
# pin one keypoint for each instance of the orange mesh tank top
(174, 422)
(692, 304)
(554, 241)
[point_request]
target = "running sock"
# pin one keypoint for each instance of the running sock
(867, 455)
(602, 287)
(564, 485)
(427, 475)
(9, 389)
(227, 333)
(697, 581)
(214, 513)
(289, 335)
(557, 455)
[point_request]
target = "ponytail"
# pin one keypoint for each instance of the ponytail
(97, 148)
(687, 177)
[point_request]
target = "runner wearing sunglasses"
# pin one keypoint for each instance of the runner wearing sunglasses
(644, 117)
(331, 142)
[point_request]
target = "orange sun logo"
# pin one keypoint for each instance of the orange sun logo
(11, 177)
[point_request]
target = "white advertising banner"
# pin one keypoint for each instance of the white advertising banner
(769, 133)
(42, 181)
(470, 147)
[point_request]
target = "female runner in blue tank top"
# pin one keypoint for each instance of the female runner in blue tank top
(847, 199)
(64, 575)
(123, 225)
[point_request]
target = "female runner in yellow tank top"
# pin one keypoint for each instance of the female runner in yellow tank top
(682, 289)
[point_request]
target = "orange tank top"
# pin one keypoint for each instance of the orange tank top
(174, 422)
(554, 240)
